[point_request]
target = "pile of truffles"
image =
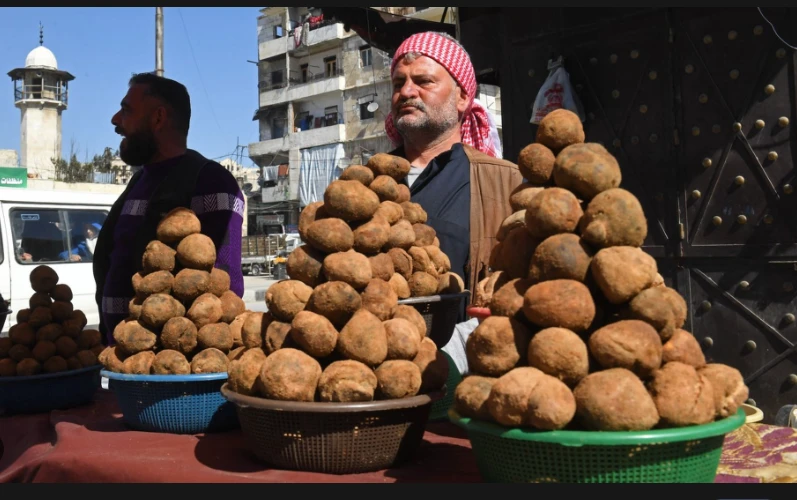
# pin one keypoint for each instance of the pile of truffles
(582, 332)
(335, 331)
(49, 336)
(184, 318)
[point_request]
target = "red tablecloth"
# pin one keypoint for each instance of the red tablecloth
(92, 444)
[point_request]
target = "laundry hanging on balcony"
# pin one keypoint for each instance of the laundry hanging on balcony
(318, 167)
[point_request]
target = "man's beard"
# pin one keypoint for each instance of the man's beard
(138, 149)
(428, 125)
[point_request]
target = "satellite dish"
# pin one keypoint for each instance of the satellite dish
(372, 106)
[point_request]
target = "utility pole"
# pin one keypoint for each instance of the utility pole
(159, 41)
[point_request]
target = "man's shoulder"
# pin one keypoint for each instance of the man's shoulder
(216, 179)
(478, 158)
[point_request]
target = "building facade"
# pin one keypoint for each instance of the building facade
(324, 95)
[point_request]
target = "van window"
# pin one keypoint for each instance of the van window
(53, 235)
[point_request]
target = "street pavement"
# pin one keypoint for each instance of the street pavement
(255, 292)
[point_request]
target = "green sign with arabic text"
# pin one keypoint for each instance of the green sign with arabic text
(13, 177)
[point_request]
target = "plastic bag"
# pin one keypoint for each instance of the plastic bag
(556, 93)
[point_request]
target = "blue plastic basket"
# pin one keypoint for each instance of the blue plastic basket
(48, 391)
(178, 404)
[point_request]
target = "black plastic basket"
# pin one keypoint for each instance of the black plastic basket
(441, 312)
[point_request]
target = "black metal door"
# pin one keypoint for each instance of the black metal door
(735, 106)
(734, 84)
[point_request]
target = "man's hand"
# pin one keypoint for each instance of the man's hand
(75, 258)
(26, 257)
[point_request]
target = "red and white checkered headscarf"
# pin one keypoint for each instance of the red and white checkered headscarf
(475, 124)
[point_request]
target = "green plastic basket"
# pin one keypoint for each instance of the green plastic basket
(440, 407)
(682, 455)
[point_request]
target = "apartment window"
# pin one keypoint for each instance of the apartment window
(331, 115)
(278, 32)
(365, 56)
(303, 71)
(364, 113)
(276, 77)
(331, 65)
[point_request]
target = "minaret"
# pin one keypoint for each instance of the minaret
(40, 93)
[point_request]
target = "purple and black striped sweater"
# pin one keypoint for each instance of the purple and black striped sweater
(219, 204)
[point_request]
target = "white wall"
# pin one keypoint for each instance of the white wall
(40, 137)
(8, 158)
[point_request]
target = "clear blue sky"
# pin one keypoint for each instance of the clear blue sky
(103, 46)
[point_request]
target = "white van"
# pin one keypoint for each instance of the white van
(49, 227)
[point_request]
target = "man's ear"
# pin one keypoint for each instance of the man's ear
(159, 118)
(462, 100)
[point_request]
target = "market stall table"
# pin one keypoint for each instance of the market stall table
(92, 444)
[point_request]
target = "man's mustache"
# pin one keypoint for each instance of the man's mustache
(416, 103)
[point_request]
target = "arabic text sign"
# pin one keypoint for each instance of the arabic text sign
(13, 177)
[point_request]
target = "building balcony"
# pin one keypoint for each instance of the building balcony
(317, 39)
(280, 192)
(41, 92)
(272, 94)
(270, 147)
(299, 140)
(274, 47)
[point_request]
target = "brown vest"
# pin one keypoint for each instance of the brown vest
(491, 182)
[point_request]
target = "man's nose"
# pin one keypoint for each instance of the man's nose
(408, 90)
(115, 119)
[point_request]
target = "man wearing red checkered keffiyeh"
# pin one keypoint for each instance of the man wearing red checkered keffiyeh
(472, 118)
(456, 171)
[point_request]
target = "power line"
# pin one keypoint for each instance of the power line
(201, 81)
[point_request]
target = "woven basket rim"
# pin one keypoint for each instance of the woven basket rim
(194, 377)
(318, 407)
(44, 376)
(434, 298)
(603, 438)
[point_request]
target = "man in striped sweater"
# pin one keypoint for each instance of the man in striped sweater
(153, 121)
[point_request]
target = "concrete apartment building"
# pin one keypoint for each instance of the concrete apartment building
(316, 86)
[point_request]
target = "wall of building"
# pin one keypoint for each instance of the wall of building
(357, 128)
(40, 138)
(355, 73)
(8, 158)
(358, 151)
(266, 24)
